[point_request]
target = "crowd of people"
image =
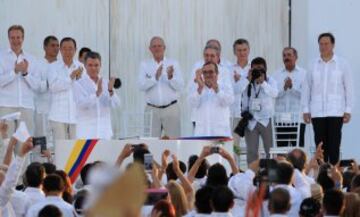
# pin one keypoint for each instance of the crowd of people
(70, 99)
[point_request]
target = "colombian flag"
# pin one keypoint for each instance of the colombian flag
(78, 157)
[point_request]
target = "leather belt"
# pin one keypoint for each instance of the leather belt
(162, 106)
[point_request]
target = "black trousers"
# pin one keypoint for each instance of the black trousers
(293, 136)
(328, 131)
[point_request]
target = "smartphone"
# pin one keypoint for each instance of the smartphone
(215, 149)
(40, 141)
(154, 195)
(346, 163)
(148, 161)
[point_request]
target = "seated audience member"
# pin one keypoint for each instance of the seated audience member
(80, 200)
(163, 208)
(170, 173)
(317, 192)
(352, 205)
(333, 203)
(217, 176)
(178, 198)
(50, 168)
(50, 211)
(34, 176)
(53, 187)
(310, 207)
(68, 192)
(203, 202)
(201, 174)
(279, 203)
(285, 173)
(222, 201)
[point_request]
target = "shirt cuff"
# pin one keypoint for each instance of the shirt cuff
(348, 109)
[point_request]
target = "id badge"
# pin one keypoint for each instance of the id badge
(255, 105)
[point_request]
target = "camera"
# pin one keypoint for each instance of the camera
(117, 83)
(243, 123)
(256, 73)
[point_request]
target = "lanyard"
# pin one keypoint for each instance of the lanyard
(256, 94)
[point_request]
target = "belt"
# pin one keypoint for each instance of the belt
(162, 106)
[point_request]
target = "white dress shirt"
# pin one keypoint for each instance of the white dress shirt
(221, 214)
(289, 101)
(17, 90)
(163, 91)
(62, 107)
(242, 185)
(36, 194)
(213, 110)
(223, 77)
(93, 112)
(265, 95)
(20, 202)
(328, 88)
(239, 87)
(42, 96)
(278, 215)
(66, 208)
(8, 186)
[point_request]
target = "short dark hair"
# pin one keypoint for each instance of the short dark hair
(49, 167)
(92, 55)
(170, 173)
(50, 211)
(214, 64)
(327, 34)
(333, 202)
(222, 199)
(53, 182)
(259, 61)
(138, 155)
(310, 207)
(279, 201)
(217, 175)
(285, 172)
(34, 174)
(297, 161)
(48, 39)
(293, 50)
(204, 166)
(239, 42)
(68, 39)
(216, 42)
(203, 200)
(323, 179)
(16, 27)
(84, 173)
(84, 50)
(79, 201)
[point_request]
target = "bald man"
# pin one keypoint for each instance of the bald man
(161, 80)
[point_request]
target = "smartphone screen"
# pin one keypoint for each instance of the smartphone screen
(148, 161)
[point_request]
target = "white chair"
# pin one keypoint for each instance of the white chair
(281, 121)
(136, 124)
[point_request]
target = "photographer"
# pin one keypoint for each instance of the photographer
(257, 109)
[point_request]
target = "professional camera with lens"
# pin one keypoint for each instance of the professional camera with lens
(256, 73)
(117, 83)
(243, 123)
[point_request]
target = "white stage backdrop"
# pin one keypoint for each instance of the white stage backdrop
(121, 29)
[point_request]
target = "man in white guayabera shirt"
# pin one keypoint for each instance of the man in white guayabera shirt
(42, 97)
(63, 74)
(94, 97)
(19, 78)
(161, 80)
